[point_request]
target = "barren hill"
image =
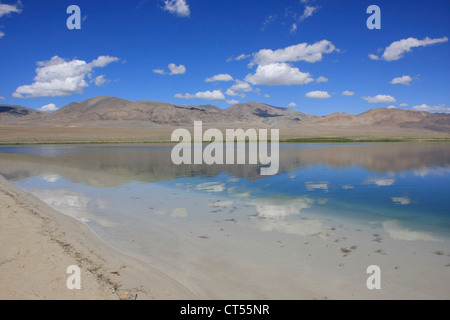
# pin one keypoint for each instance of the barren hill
(11, 113)
(255, 111)
(115, 119)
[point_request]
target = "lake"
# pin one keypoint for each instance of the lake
(227, 232)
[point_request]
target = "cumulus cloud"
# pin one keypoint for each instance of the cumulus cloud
(278, 74)
(292, 104)
(299, 52)
(59, 77)
(233, 101)
(406, 80)
(174, 69)
(205, 95)
(318, 95)
(397, 49)
(321, 79)
(425, 107)
(6, 9)
(100, 80)
(381, 98)
(241, 86)
(403, 104)
(177, 7)
(220, 77)
(348, 93)
(48, 108)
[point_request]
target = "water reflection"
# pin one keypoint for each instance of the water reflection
(102, 166)
(368, 182)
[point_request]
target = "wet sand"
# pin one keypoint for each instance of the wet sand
(39, 243)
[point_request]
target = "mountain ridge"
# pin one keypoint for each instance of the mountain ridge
(101, 110)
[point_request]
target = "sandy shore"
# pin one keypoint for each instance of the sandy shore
(39, 243)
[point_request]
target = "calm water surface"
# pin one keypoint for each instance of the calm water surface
(135, 199)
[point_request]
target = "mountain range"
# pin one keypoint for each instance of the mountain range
(105, 111)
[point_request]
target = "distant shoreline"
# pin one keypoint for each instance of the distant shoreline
(284, 141)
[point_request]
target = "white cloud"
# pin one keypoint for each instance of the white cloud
(309, 11)
(278, 74)
(397, 49)
(299, 52)
(318, 95)
(2, 98)
(239, 57)
(58, 77)
(48, 108)
(292, 104)
(403, 104)
(177, 7)
(439, 108)
(293, 28)
(381, 98)
(6, 9)
(266, 95)
(268, 21)
(232, 101)
(159, 71)
(100, 80)
(242, 56)
(205, 95)
(392, 107)
(402, 80)
(220, 77)
(230, 92)
(174, 69)
(348, 93)
(242, 86)
(321, 79)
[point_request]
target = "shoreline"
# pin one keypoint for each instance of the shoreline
(39, 243)
(281, 141)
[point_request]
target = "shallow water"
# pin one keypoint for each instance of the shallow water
(205, 224)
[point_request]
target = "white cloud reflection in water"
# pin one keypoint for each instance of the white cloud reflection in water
(72, 204)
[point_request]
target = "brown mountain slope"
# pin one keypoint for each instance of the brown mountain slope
(18, 113)
(255, 111)
(387, 118)
(116, 109)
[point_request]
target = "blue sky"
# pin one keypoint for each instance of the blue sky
(299, 53)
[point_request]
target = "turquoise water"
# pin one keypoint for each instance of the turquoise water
(361, 182)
